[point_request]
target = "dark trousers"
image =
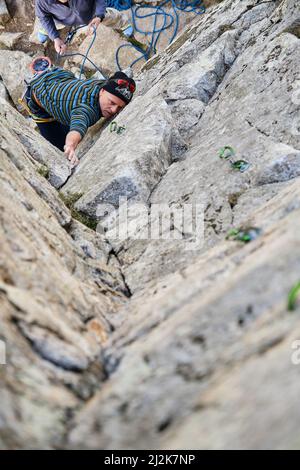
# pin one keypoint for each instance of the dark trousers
(54, 132)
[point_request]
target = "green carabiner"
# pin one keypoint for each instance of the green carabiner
(232, 233)
(121, 129)
(292, 297)
(245, 235)
(226, 152)
(241, 165)
(113, 126)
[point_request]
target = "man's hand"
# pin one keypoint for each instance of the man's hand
(60, 46)
(70, 154)
(72, 140)
(93, 25)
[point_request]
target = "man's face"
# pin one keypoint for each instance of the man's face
(110, 104)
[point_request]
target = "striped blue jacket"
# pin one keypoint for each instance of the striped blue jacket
(72, 102)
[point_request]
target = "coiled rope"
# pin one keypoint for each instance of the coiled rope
(158, 13)
(169, 20)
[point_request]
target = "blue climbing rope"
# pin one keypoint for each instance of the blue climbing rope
(169, 19)
(72, 32)
(119, 4)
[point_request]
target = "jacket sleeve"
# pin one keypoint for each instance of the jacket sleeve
(46, 19)
(100, 7)
(82, 117)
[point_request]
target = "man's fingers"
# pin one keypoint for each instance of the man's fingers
(60, 47)
(93, 25)
(89, 30)
(70, 154)
(74, 160)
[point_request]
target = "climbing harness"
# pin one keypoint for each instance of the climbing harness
(293, 296)
(35, 118)
(245, 235)
(114, 127)
(227, 152)
(169, 20)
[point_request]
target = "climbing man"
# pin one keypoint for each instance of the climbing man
(52, 15)
(64, 107)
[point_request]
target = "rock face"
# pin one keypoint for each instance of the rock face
(191, 105)
(13, 69)
(57, 296)
(4, 14)
(181, 341)
(9, 40)
(20, 8)
(17, 129)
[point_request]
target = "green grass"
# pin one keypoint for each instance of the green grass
(43, 170)
(70, 201)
